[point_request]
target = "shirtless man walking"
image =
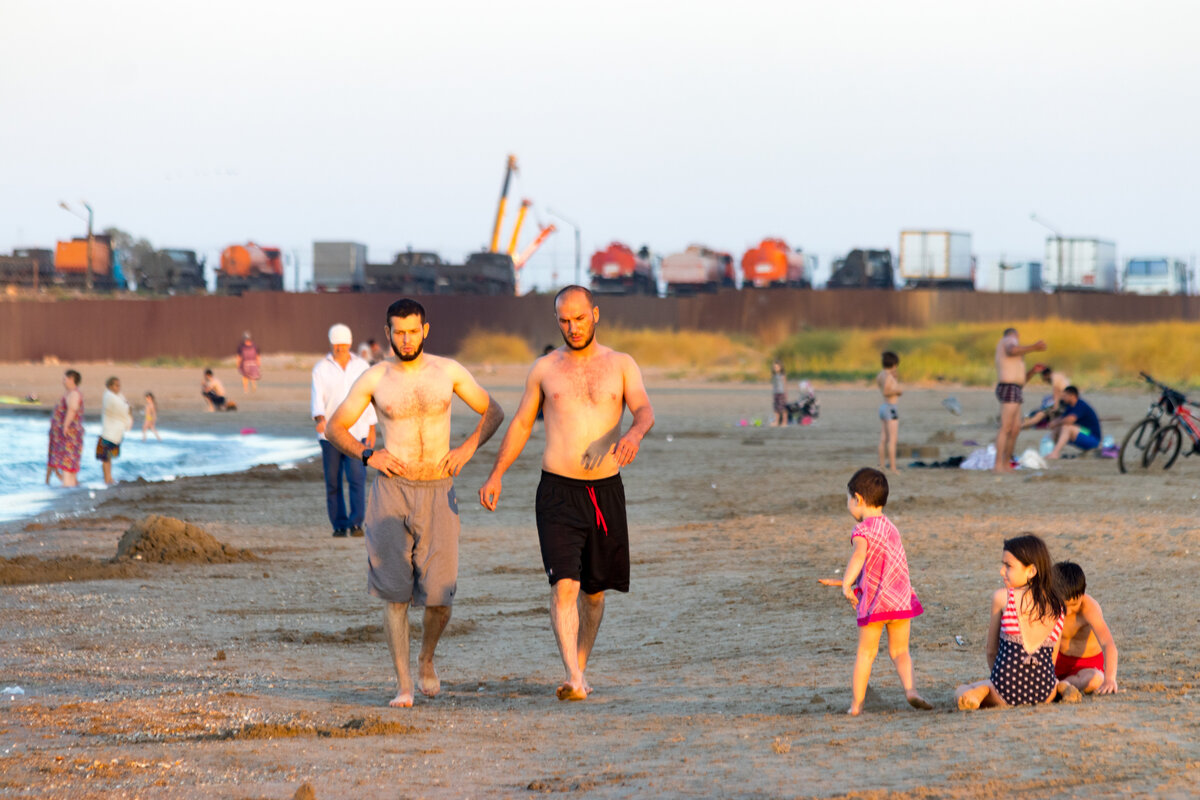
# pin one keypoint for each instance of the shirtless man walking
(1010, 372)
(412, 513)
(583, 389)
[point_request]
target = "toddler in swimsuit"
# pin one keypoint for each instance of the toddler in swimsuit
(1087, 657)
(876, 583)
(1029, 609)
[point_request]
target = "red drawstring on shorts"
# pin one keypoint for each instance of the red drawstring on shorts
(599, 517)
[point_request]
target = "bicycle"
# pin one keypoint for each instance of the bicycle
(1169, 439)
(1134, 445)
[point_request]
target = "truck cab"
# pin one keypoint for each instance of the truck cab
(1156, 275)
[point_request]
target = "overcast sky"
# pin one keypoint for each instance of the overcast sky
(831, 124)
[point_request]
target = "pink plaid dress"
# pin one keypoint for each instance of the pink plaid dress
(884, 590)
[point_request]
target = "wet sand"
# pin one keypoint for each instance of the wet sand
(724, 672)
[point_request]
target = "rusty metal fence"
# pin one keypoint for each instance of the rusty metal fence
(211, 326)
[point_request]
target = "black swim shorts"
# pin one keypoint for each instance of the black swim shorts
(583, 533)
(1009, 393)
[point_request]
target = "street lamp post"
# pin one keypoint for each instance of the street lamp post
(88, 275)
(574, 225)
(1058, 239)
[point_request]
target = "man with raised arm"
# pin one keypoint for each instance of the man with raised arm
(583, 389)
(1010, 380)
(412, 514)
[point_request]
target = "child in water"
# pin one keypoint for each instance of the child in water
(877, 584)
(1087, 657)
(1028, 610)
(149, 424)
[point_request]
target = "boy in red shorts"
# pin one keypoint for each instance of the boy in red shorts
(1087, 657)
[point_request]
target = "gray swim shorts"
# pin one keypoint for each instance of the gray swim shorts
(889, 411)
(412, 541)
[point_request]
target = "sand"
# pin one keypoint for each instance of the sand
(724, 672)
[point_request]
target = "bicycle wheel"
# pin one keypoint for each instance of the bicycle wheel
(1165, 446)
(1135, 444)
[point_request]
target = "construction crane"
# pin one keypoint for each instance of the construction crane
(508, 173)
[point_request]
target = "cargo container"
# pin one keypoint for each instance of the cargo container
(697, 269)
(1156, 275)
(71, 263)
(339, 266)
(618, 270)
(27, 266)
(250, 267)
(936, 259)
(863, 269)
(1009, 276)
(773, 264)
(1087, 265)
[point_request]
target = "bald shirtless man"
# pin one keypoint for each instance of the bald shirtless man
(412, 513)
(1010, 371)
(583, 389)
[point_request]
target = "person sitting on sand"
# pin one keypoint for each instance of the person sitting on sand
(214, 393)
(1079, 426)
(1029, 609)
(876, 582)
(889, 415)
(1052, 404)
(1087, 657)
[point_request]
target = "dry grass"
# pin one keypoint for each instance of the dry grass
(1092, 354)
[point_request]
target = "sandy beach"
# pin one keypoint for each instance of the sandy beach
(724, 672)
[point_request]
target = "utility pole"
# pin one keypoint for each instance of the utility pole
(1058, 239)
(578, 276)
(90, 238)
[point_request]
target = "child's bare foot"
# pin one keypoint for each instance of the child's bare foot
(404, 699)
(854, 711)
(916, 701)
(427, 679)
(1068, 693)
(967, 701)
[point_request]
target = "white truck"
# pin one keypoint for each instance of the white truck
(1156, 275)
(936, 259)
(1084, 264)
(1008, 275)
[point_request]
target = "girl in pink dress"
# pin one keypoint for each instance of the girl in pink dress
(876, 583)
(66, 433)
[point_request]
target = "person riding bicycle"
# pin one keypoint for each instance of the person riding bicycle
(1079, 426)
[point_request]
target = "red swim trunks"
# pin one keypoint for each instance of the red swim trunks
(1070, 665)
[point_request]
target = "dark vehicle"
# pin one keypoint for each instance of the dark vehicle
(27, 266)
(415, 272)
(171, 270)
(411, 273)
(863, 269)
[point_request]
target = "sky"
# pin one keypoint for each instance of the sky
(833, 125)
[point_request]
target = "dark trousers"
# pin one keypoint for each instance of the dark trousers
(337, 465)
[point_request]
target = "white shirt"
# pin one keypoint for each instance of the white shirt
(331, 384)
(115, 417)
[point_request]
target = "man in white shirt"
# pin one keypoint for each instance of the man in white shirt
(332, 378)
(115, 419)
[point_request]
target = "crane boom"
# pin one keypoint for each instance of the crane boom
(512, 246)
(508, 173)
(527, 253)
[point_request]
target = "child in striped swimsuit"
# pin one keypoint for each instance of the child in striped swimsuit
(1028, 610)
(876, 583)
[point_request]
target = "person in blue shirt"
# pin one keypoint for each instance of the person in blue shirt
(1078, 426)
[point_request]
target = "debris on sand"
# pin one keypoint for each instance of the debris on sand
(23, 570)
(166, 540)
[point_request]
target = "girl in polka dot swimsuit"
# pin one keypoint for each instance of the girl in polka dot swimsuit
(1023, 637)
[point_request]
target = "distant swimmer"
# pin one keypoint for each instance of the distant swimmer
(1010, 375)
(412, 523)
(584, 389)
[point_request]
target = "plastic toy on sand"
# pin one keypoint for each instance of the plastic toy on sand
(248, 431)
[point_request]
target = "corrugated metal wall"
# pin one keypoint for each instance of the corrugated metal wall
(210, 327)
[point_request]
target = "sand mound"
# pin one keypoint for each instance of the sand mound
(166, 540)
(31, 569)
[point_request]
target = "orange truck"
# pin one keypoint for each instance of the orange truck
(773, 263)
(71, 262)
(618, 270)
(250, 267)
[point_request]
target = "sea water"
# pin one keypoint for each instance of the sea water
(24, 441)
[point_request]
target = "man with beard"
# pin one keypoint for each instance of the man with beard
(583, 389)
(412, 514)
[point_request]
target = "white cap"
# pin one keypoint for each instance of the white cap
(340, 334)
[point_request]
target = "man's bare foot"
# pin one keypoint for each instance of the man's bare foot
(402, 700)
(427, 679)
(568, 692)
(916, 701)
(854, 712)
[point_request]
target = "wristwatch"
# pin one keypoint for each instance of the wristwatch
(366, 455)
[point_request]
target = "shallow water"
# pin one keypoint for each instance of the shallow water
(24, 439)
